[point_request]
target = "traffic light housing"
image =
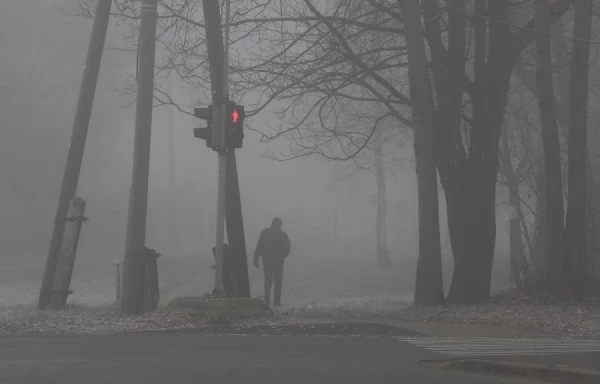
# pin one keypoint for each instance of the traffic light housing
(234, 136)
(234, 126)
(205, 113)
(204, 134)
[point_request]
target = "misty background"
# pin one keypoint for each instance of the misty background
(42, 51)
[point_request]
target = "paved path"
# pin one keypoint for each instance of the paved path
(190, 357)
(477, 346)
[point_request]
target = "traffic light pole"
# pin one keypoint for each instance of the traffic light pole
(134, 266)
(218, 63)
(221, 200)
(227, 162)
(77, 146)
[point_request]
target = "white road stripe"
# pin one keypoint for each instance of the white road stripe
(470, 346)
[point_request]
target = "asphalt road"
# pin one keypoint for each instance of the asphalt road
(293, 356)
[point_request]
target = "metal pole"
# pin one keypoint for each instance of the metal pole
(214, 43)
(222, 159)
(77, 145)
(133, 269)
(218, 289)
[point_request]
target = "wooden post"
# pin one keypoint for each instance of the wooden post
(133, 268)
(152, 277)
(147, 289)
(77, 144)
(119, 285)
(238, 257)
(66, 257)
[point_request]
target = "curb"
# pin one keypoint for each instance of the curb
(552, 374)
(462, 330)
(222, 310)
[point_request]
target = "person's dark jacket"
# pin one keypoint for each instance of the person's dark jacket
(273, 245)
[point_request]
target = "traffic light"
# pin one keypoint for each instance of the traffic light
(204, 133)
(235, 126)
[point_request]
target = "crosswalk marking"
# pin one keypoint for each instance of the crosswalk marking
(481, 346)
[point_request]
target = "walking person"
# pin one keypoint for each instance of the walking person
(274, 246)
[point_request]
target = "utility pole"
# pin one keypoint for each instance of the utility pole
(77, 145)
(134, 266)
(235, 227)
(222, 197)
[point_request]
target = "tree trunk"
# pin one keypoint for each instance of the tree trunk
(519, 268)
(470, 201)
(539, 253)
(562, 61)
(429, 285)
(577, 189)
(468, 168)
(383, 255)
(469, 174)
(592, 256)
(551, 142)
(518, 265)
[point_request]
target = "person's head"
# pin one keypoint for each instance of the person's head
(277, 223)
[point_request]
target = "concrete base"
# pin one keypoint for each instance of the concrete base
(221, 310)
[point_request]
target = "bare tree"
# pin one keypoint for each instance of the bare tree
(468, 161)
(383, 254)
(551, 140)
(305, 61)
(575, 229)
(512, 175)
(429, 288)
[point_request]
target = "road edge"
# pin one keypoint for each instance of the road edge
(555, 374)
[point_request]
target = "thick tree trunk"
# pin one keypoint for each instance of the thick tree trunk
(472, 224)
(592, 253)
(383, 255)
(469, 174)
(551, 141)
(577, 168)
(428, 286)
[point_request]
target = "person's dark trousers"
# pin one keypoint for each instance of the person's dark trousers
(273, 270)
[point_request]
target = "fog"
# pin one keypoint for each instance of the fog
(41, 63)
(419, 187)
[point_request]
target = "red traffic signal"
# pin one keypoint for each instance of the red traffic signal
(236, 115)
(235, 127)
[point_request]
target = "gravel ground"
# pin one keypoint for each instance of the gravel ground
(534, 311)
(78, 320)
(314, 292)
(560, 318)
